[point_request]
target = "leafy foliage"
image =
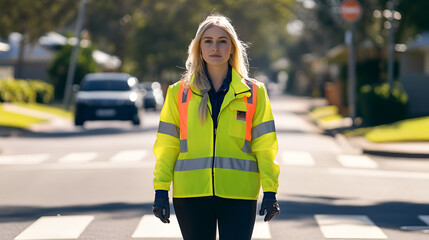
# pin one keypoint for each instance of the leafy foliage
(29, 91)
(58, 68)
(33, 18)
(152, 36)
(381, 104)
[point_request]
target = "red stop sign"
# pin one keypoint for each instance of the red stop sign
(350, 10)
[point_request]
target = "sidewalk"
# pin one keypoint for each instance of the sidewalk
(358, 145)
(53, 122)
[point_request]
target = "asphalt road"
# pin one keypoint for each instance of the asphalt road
(96, 183)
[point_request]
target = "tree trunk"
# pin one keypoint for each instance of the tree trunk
(20, 61)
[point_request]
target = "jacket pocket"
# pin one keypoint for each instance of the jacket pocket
(237, 124)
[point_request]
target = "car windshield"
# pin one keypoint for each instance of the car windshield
(106, 85)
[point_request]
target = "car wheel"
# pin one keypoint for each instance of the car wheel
(78, 121)
(136, 120)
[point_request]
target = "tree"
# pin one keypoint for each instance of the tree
(155, 34)
(58, 68)
(33, 18)
(112, 26)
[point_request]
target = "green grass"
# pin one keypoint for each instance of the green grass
(323, 112)
(46, 108)
(416, 129)
(9, 119)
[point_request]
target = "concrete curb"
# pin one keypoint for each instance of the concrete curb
(393, 149)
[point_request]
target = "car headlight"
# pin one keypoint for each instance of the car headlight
(133, 97)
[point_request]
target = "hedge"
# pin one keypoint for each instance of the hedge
(29, 91)
(380, 104)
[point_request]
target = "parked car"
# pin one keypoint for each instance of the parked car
(108, 96)
(152, 95)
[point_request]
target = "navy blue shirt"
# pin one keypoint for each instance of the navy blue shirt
(216, 97)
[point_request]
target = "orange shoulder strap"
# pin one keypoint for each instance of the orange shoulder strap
(184, 97)
(251, 107)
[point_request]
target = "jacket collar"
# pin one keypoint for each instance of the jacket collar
(238, 85)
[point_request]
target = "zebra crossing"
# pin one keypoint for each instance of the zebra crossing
(82, 159)
(290, 158)
(149, 227)
(334, 164)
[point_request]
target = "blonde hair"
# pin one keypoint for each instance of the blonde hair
(195, 63)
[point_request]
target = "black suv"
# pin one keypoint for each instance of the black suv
(108, 96)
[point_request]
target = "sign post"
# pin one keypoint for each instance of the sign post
(351, 11)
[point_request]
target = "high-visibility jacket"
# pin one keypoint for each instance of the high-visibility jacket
(231, 161)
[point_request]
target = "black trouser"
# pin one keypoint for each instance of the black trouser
(197, 218)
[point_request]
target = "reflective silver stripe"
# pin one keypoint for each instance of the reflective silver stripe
(236, 164)
(246, 147)
(183, 145)
(169, 129)
(220, 162)
(185, 95)
(250, 85)
(193, 164)
(263, 128)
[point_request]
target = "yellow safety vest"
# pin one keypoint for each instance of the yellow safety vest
(231, 161)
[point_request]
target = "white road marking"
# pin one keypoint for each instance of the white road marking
(261, 229)
(297, 158)
(348, 226)
(60, 227)
(129, 156)
(151, 227)
(379, 173)
(356, 161)
(424, 218)
(24, 159)
(78, 157)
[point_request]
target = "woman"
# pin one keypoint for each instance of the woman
(216, 141)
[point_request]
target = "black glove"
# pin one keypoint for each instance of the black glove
(271, 206)
(161, 209)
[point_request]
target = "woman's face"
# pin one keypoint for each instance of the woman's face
(216, 46)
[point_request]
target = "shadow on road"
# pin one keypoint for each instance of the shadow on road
(30, 213)
(391, 215)
(84, 132)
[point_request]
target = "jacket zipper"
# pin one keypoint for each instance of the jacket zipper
(213, 159)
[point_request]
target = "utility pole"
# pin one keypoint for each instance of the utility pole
(351, 72)
(73, 58)
(391, 60)
(351, 11)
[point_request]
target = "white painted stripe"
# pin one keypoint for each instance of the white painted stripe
(261, 229)
(297, 158)
(24, 159)
(78, 157)
(424, 218)
(97, 165)
(151, 227)
(129, 156)
(356, 161)
(379, 173)
(349, 226)
(60, 227)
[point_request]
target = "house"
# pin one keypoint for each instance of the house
(38, 56)
(414, 75)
